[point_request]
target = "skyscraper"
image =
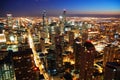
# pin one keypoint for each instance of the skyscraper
(1, 27)
(24, 65)
(112, 71)
(71, 38)
(64, 16)
(9, 21)
(77, 50)
(44, 17)
(59, 51)
(84, 60)
(110, 54)
(6, 66)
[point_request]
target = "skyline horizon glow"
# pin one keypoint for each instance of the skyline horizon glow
(56, 7)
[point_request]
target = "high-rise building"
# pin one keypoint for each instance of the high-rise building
(24, 65)
(86, 65)
(110, 54)
(51, 63)
(112, 71)
(71, 38)
(44, 18)
(1, 27)
(42, 44)
(64, 16)
(6, 66)
(77, 50)
(84, 59)
(59, 50)
(84, 32)
(9, 20)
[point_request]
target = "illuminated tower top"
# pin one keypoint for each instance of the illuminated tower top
(9, 15)
(64, 15)
(44, 16)
(9, 20)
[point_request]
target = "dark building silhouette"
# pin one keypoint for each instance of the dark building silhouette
(84, 59)
(1, 27)
(86, 65)
(71, 38)
(111, 54)
(67, 75)
(64, 16)
(59, 50)
(77, 50)
(6, 66)
(24, 65)
(112, 71)
(44, 18)
(51, 63)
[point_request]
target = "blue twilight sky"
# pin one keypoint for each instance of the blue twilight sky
(55, 7)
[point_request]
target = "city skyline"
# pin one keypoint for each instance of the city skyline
(55, 7)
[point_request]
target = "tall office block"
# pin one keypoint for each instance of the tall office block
(77, 50)
(44, 18)
(112, 71)
(42, 44)
(24, 65)
(71, 38)
(64, 16)
(86, 65)
(59, 50)
(110, 54)
(84, 60)
(84, 36)
(1, 28)
(6, 66)
(9, 20)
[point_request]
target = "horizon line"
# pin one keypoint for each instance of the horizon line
(69, 15)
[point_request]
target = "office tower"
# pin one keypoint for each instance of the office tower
(112, 71)
(59, 51)
(86, 65)
(77, 50)
(44, 18)
(84, 60)
(42, 44)
(45, 29)
(51, 63)
(64, 16)
(84, 36)
(117, 56)
(52, 32)
(118, 29)
(24, 65)
(110, 54)
(1, 27)
(9, 21)
(61, 25)
(57, 30)
(6, 66)
(84, 32)
(71, 38)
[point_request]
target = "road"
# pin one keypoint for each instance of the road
(25, 22)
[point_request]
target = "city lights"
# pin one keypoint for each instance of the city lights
(83, 43)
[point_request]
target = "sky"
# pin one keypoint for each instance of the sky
(56, 7)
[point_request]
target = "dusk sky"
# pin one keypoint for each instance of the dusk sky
(55, 7)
